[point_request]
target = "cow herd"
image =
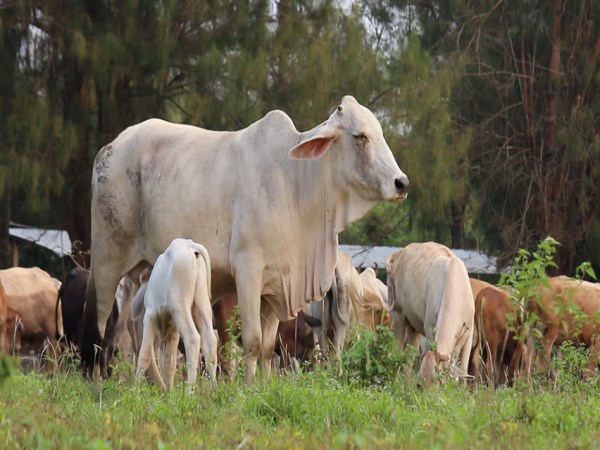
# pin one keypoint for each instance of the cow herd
(466, 328)
(190, 227)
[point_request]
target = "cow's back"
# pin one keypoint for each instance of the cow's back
(555, 312)
(430, 285)
(22, 280)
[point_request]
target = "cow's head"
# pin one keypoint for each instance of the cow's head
(362, 153)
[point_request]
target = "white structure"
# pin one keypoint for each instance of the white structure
(364, 256)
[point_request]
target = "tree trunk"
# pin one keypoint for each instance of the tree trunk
(5, 245)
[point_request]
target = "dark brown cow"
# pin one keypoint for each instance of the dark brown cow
(72, 294)
(502, 353)
(71, 298)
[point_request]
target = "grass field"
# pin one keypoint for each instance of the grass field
(317, 409)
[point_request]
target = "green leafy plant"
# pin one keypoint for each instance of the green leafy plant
(569, 365)
(524, 278)
(232, 352)
(373, 357)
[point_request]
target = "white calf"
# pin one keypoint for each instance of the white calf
(177, 300)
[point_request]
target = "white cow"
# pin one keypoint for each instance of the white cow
(267, 201)
(430, 294)
(335, 311)
(177, 301)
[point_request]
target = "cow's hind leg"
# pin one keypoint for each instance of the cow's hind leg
(146, 357)
(170, 355)
(191, 341)
(202, 315)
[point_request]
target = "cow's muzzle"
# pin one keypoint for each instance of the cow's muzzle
(401, 185)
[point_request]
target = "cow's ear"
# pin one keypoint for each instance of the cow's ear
(312, 148)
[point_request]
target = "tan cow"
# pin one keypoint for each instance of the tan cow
(375, 307)
(32, 293)
(267, 202)
(502, 352)
(569, 310)
(430, 295)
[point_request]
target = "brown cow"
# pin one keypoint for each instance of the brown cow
(476, 286)
(295, 338)
(502, 353)
(568, 310)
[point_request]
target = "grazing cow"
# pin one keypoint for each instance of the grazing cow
(568, 310)
(375, 306)
(335, 311)
(71, 298)
(476, 286)
(430, 295)
(177, 302)
(267, 201)
(369, 280)
(502, 352)
(296, 339)
(70, 304)
(14, 330)
(32, 293)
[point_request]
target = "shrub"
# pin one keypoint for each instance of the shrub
(373, 357)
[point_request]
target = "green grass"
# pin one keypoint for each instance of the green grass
(311, 410)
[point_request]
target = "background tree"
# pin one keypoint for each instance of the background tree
(530, 93)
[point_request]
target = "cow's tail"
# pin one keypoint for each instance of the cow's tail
(59, 333)
(137, 307)
(204, 254)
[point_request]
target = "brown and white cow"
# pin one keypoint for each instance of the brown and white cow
(568, 310)
(267, 201)
(430, 295)
(502, 352)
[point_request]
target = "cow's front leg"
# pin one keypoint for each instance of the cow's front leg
(269, 325)
(248, 291)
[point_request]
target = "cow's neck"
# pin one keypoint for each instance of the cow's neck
(328, 208)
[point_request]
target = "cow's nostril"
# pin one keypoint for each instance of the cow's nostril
(401, 184)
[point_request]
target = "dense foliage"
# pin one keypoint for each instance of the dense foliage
(491, 107)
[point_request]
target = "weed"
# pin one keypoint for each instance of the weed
(373, 357)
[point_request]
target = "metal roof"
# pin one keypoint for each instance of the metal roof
(56, 240)
(364, 256)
